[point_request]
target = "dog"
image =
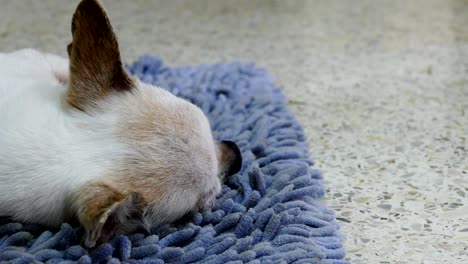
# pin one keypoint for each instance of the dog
(82, 139)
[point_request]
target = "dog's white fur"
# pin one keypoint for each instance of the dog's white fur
(43, 153)
(57, 161)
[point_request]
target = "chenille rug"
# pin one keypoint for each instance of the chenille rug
(267, 213)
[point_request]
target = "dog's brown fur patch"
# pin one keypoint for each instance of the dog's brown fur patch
(105, 210)
(140, 178)
(95, 199)
(95, 64)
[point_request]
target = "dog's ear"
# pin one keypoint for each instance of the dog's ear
(95, 65)
(230, 159)
(104, 211)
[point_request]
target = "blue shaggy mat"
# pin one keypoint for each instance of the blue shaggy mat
(267, 213)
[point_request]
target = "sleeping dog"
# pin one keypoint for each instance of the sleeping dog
(81, 139)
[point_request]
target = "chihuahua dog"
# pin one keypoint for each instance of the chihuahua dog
(81, 139)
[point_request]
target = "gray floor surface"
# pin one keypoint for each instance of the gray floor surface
(381, 88)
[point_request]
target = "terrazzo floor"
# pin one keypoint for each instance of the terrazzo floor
(381, 88)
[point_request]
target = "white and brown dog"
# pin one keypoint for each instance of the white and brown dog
(81, 139)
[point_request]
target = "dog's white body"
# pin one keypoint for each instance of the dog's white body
(44, 153)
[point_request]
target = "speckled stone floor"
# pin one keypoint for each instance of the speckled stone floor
(381, 88)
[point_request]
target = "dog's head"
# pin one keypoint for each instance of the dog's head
(171, 164)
